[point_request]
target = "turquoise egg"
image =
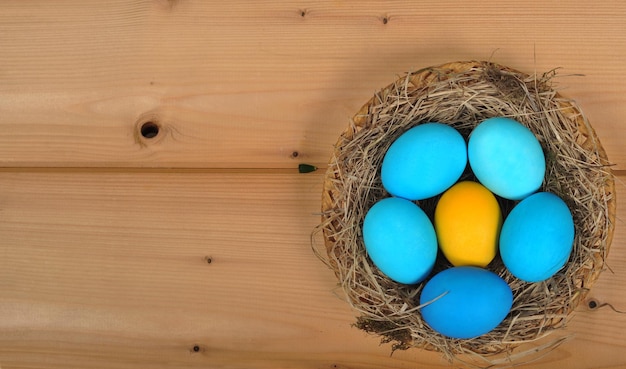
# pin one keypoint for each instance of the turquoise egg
(465, 302)
(400, 240)
(506, 157)
(537, 237)
(424, 161)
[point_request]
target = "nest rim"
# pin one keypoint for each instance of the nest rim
(402, 327)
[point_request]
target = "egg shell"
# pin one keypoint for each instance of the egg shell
(537, 237)
(465, 302)
(506, 157)
(467, 223)
(400, 240)
(424, 161)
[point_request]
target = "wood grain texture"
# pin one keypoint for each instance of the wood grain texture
(105, 236)
(110, 270)
(240, 84)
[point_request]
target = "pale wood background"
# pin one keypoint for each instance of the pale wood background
(105, 235)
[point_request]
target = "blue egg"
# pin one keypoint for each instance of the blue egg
(400, 240)
(537, 237)
(506, 157)
(465, 302)
(424, 161)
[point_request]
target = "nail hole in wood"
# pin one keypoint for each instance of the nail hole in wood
(196, 348)
(209, 260)
(295, 154)
(592, 304)
(149, 130)
(385, 20)
(303, 13)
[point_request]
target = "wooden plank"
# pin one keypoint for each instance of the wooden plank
(109, 269)
(245, 85)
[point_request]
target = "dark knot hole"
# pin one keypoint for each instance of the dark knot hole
(149, 130)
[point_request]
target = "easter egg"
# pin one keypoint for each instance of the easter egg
(424, 161)
(465, 302)
(506, 157)
(467, 222)
(400, 240)
(537, 237)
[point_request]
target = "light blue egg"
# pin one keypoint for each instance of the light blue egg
(424, 161)
(506, 157)
(537, 237)
(400, 240)
(466, 302)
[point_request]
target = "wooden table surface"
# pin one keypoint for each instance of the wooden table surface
(191, 249)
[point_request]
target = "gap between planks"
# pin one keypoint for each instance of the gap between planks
(616, 173)
(154, 170)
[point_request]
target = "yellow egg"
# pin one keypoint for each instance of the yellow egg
(468, 222)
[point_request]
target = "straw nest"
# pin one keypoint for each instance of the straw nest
(462, 94)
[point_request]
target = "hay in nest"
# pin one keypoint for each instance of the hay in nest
(462, 95)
